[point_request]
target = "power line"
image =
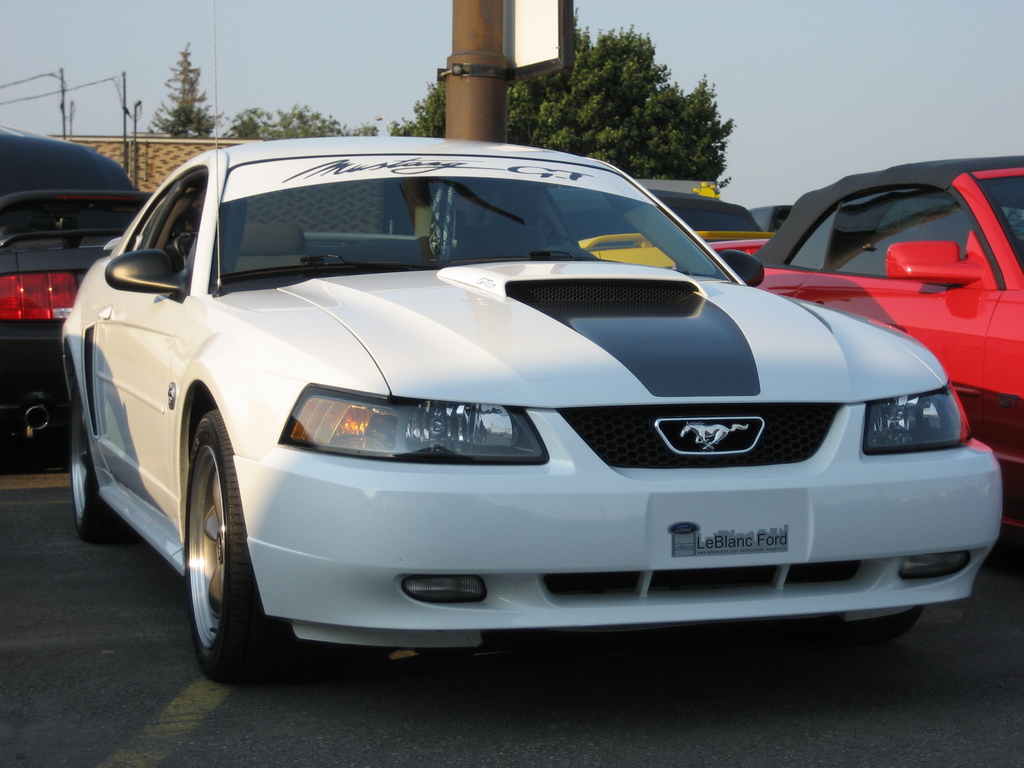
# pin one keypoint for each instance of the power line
(54, 93)
(30, 79)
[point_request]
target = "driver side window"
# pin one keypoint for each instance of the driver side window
(174, 220)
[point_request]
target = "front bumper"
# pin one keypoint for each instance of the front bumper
(331, 538)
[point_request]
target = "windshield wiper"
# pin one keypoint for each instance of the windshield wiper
(319, 260)
(334, 262)
(543, 254)
(318, 265)
(561, 255)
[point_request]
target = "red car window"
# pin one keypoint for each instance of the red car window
(855, 239)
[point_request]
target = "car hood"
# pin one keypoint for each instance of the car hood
(563, 334)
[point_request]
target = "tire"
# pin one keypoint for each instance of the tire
(95, 522)
(834, 631)
(232, 637)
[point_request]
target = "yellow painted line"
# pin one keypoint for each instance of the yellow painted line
(161, 737)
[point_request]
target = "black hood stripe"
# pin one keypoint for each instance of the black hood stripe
(682, 348)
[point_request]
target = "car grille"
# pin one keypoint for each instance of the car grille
(635, 582)
(625, 436)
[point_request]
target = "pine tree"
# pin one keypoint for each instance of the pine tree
(185, 114)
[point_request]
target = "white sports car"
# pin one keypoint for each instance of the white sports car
(405, 392)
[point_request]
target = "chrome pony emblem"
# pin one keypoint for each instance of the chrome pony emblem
(710, 435)
(716, 435)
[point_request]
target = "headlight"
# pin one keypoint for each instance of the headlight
(338, 422)
(915, 423)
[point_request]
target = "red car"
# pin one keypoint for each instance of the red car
(935, 249)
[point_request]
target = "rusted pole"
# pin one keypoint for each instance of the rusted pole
(477, 75)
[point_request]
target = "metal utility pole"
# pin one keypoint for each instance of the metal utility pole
(124, 121)
(136, 113)
(477, 75)
(63, 113)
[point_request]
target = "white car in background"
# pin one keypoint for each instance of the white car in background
(399, 392)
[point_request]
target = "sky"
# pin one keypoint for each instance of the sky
(817, 89)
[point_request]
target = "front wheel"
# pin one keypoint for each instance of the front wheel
(232, 637)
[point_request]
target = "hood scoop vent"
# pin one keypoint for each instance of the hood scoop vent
(616, 297)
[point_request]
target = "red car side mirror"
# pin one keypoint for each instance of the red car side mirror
(931, 261)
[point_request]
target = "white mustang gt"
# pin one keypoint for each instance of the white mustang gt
(405, 392)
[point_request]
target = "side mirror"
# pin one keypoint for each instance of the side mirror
(746, 265)
(147, 271)
(931, 261)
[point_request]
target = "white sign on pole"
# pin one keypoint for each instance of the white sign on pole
(538, 37)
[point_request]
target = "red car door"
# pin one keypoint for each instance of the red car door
(997, 199)
(1003, 401)
(785, 282)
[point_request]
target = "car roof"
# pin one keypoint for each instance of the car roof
(810, 207)
(31, 161)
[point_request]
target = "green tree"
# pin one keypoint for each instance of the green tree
(251, 123)
(430, 115)
(300, 122)
(185, 114)
(616, 104)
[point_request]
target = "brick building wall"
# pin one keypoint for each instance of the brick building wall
(150, 158)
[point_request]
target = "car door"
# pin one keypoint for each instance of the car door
(136, 341)
(844, 266)
(998, 199)
(1004, 398)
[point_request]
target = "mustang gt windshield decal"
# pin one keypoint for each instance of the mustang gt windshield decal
(259, 178)
(416, 166)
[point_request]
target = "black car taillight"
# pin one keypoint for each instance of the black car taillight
(37, 295)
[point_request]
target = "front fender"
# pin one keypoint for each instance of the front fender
(255, 363)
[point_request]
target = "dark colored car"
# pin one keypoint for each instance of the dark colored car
(725, 226)
(770, 217)
(936, 249)
(60, 203)
(714, 219)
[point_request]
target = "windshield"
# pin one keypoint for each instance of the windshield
(388, 220)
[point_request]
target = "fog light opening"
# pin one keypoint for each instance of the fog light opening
(445, 589)
(931, 566)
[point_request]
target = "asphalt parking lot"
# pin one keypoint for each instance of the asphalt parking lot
(98, 672)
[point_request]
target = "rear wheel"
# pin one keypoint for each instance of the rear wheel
(233, 639)
(95, 522)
